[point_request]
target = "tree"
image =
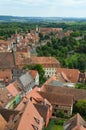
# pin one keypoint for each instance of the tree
(80, 86)
(80, 107)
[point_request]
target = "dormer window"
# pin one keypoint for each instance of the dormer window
(37, 120)
(35, 127)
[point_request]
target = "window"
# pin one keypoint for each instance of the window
(35, 127)
(65, 111)
(37, 120)
(56, 106)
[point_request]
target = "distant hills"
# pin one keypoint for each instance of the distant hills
(39, 19)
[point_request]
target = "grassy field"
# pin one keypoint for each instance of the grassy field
(53, 126)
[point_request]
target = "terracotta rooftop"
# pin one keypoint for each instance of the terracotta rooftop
(42, 110)
(69, 75)
(21, 106)
(80, 127)
(3, 123)
(77, 93)
(23, 49)
(3, 42)
(5, 97)
(45, 60)
(8, 113)
(6, 60)
(58, 79)
(13, 89)
(30, 119)
(32, 94)
(48, 30)
(33, 73)
(75, 122)
(5, 74)
(56, 98)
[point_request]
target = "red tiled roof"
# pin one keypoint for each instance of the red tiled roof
(3, 123)
(80, 127)
(27, 121)
(21, 105)
(33, 73)
(12, 89)
(6, 43)
(55, 98)
(45, 61)
(5, 73)
(35, 95)
(8, 113)
(42, 110)
(5, 96)
(71, 75)
(6, 60)
(23, 49)
(77, 93)
(48, 30)
(75, 123)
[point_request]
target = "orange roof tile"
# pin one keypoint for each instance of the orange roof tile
(33, 73)
(3, 123)
(7, 60)
(12, 89)
(75, 123)
(47, 62)
(3, 42)
(5, 73)
(35, 95)
(80, 127)
(56, 98)
(71, 75)
(77, 93)
(5, 96)
(27, 121)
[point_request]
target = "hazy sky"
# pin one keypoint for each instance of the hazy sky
(67, 8)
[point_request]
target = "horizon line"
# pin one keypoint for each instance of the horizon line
(42, 16)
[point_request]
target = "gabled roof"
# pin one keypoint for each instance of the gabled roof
(33, 73)
(80, 127)
(30, 119)
(4, 45)
(49, 30)
(74, 123)
(54, 80)
(42, 110)
(6, 60)
(8, 113)
(35, 96)
(69, 75)
(4, 74)
(13, 89)
(44, 60)
(3, 123)
(77, 93)
(5, 97)
(56, 98)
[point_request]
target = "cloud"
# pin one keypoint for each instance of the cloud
(45, 2)
(43, 7)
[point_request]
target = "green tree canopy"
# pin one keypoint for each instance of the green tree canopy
(80, 107)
